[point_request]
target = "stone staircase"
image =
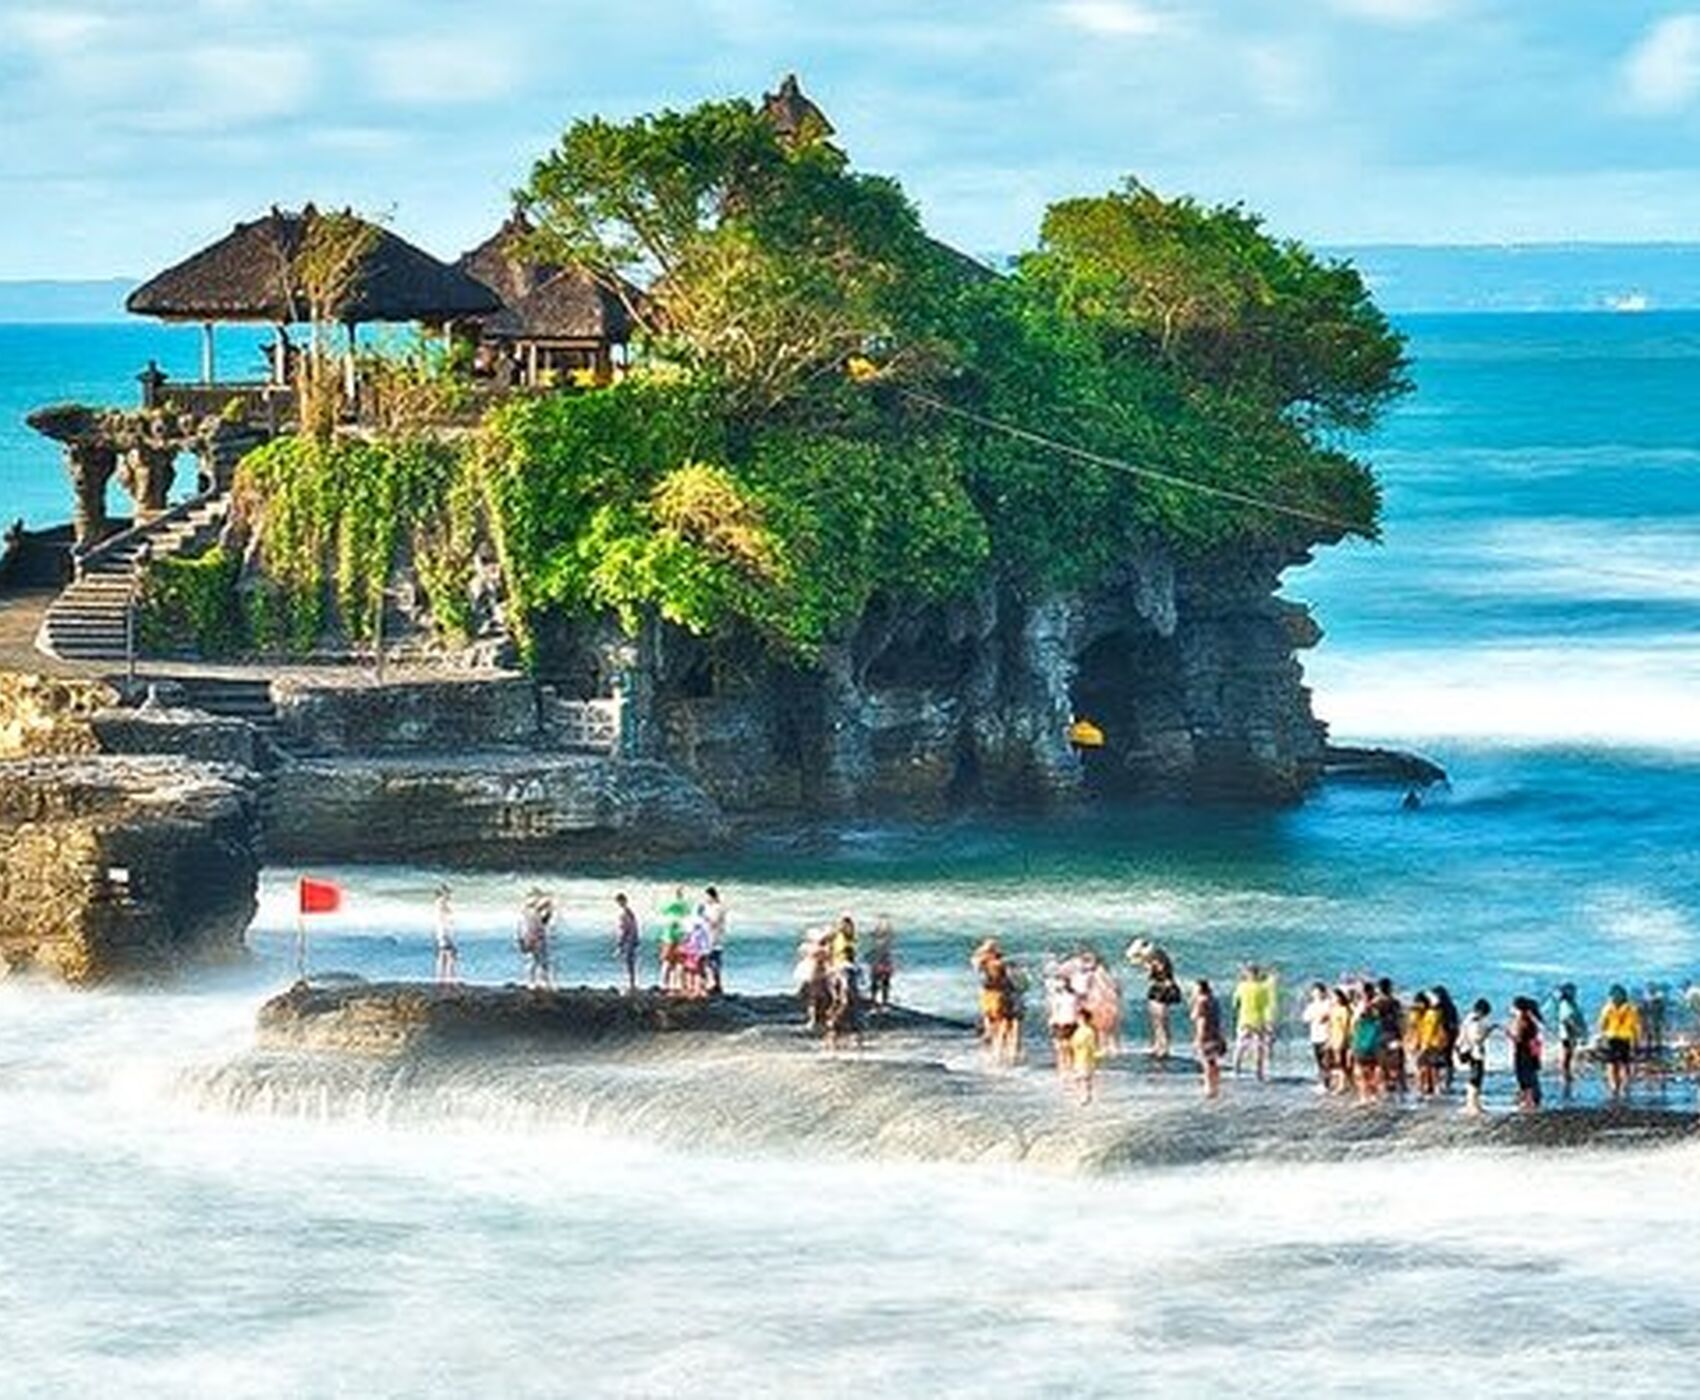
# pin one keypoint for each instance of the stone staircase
(88, 621)
(233, 697)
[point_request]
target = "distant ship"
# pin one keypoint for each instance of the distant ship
(1629, 302)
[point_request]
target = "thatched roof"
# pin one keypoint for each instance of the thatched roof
(500, 262)
(793, 115)
(249, 275)
(543, 300)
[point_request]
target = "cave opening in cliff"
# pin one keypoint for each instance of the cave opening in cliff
(1126, 683)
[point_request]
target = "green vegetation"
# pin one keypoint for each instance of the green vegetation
(193, 599)
(741, 480)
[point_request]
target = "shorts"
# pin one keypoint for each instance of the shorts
(1062, 1032)
(1618, 1051)
(1477, 1070)
(1324, 1056)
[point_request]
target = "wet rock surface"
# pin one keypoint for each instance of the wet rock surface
(741, 1073)
(398, 1018)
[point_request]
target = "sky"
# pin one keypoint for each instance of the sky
(131, 133)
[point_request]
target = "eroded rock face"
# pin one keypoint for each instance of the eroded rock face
(484, 808)
(1190, 671)
(47, 715)
(115, 867)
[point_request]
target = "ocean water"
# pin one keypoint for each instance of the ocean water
(1529, 620)
(93, 364)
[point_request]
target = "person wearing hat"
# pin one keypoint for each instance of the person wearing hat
(535, 917)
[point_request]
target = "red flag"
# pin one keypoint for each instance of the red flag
(319, 896)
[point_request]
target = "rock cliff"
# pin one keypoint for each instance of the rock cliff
(490, 808)
(113, 866)
(1188, 668)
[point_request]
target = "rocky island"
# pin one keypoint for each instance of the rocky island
(769, 508)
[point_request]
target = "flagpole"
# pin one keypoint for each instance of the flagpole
(301, 932)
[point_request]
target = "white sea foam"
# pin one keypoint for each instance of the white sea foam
(1592, 692)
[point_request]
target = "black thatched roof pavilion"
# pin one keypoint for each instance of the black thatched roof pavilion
(554, 319)
(249, 275)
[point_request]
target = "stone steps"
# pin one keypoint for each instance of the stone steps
(88, 621)
(233, 697)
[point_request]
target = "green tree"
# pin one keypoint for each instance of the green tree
(1207, 290)
(769, 261)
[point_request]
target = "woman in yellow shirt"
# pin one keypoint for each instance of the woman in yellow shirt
(1620, 1028)
(1428, 1043)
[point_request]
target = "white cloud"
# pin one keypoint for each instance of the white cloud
(1283, 77)
(444, 70)
(1115, 17)
(1397, 11)
(54, 31)
(1662, 71)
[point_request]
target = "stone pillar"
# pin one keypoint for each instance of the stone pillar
(147, 472)
(90, 466)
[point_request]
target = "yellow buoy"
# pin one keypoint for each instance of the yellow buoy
(1083, 734)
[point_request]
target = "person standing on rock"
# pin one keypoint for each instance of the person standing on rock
(714, 910)
(534, 921)
(1207, 1039)
(1620, 1028)
(448, 952)
(626, 940)
(1162, 991)
(675, 912)
(1473, 1034)
(1254, 1005)
(1572, 1025)
(1084, 1052)
(882, 961)
(1525, 1034)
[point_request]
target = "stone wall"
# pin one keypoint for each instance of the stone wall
(322, 716)
(483, 809)
(119, 866)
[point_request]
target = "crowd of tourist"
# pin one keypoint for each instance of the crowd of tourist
(1367, 1038)
(690, 945)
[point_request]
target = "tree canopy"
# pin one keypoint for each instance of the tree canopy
(1207, 290)
(740, 479)
(769, 260)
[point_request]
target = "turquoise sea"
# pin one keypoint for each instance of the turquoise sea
(1530, 619)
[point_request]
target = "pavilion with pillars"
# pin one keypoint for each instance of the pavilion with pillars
(252, 276)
